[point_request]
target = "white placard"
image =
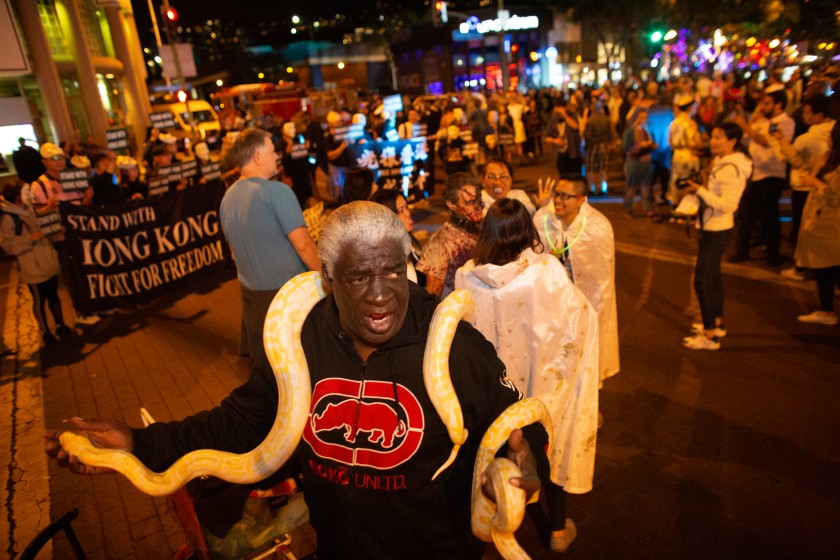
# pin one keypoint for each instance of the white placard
(185, 54)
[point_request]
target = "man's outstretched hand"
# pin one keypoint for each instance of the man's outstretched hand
(520, 453)
(102, 433)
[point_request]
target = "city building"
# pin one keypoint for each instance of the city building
(70, 70)
(541, 47)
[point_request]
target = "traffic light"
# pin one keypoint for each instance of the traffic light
(439, 15)
(170, 14)
(656, 36)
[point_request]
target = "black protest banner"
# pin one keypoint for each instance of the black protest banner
(395, 163)
(131, 253)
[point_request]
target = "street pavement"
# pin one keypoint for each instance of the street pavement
(728, 454)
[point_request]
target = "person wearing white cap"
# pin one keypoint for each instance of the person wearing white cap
(683, 137)
(44, 195)
(130, 182)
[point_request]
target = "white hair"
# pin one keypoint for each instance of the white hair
(359, 222)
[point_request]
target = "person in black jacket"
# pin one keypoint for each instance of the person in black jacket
(369, 486)
(106, 189)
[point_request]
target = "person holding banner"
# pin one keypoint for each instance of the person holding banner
(44, 195)
(131, 184)
(410, 128)
(294, 150)
(165, 177)
(338, 158)
(264, 225)
(105, 186)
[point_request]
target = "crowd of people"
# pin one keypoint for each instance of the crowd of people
(541, 269)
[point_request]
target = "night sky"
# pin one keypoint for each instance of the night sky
(253, 11)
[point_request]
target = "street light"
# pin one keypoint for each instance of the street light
(656, 36)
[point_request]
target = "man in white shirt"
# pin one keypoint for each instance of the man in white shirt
(805, 155)
(582, 238)
(760, 202)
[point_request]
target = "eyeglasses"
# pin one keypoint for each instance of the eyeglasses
(494, 178)
(565, 196)
(472, 200)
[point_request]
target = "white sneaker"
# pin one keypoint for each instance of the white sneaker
(819, 317)
(700, 342)
(793, 274)
(697, 328)
(87, 319)
(560, 542)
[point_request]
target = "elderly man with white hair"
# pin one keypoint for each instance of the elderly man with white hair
(373, 439)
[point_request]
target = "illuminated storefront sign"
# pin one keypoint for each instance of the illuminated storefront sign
(513, 23)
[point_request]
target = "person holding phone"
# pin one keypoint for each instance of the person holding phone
(760, 202)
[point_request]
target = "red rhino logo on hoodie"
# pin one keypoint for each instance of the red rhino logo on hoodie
(377, 418)
(393, 427)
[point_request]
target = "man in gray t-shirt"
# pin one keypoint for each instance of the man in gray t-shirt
(263, 223)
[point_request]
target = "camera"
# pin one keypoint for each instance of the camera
(682, 182)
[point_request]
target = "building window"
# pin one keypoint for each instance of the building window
(52, 27)
(93, 27)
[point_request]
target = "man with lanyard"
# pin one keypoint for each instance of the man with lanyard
(582, 237)
(44, 195)
(760, 201)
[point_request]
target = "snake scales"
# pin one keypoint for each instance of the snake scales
(283, 324)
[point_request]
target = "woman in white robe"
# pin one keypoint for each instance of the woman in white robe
(546, 332)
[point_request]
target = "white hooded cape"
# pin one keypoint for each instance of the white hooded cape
(545, 331)
(592, 251)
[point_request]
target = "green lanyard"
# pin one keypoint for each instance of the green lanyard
(567, 246)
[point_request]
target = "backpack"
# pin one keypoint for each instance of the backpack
(18, 230)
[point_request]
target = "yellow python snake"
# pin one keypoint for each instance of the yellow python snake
(281, 336)
(491, 521)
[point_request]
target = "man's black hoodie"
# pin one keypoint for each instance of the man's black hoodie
(373, 440)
